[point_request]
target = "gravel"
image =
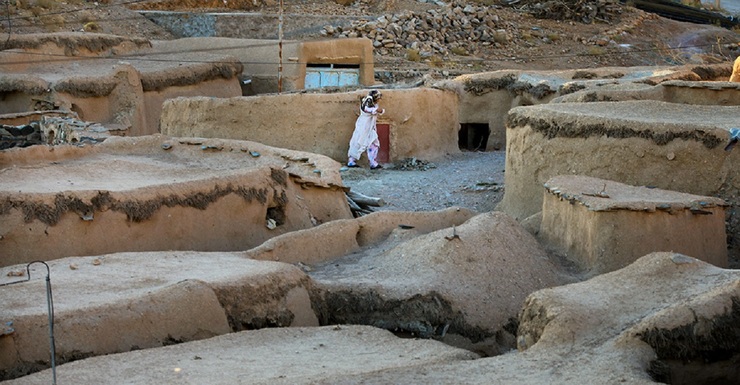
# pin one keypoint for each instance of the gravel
(474, 180)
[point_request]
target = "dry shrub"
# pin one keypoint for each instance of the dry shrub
(436, 61)
(22, 4)
(692, 3)
(85, 17)
(53, 23)
(46, 4)
(595, 50)
(92, 27)
(460, 51)
(553, 36)
(413, 55)
(671, 55)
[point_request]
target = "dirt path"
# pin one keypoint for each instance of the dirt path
(472, 180)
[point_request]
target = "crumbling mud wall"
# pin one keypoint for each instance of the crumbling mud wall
(156, 193)
(362, 273)
(423, 122)
(666, 314)
(80, 73)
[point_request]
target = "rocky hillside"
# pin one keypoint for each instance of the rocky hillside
(432, 35)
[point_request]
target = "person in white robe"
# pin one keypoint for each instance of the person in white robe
(365, 136)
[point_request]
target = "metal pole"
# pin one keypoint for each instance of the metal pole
(280, 49)
(50, 307)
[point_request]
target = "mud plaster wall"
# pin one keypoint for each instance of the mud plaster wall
(487, 98)
(540, 147)
(125, 95)
(260, 58)
(424, 121)
(154, 100)
(708, 93)
(110, 97)
(223, 215)
(604, 241)
(338, 51)
(697, 93)
(227, 222)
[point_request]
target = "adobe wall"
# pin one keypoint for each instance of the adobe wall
(154, 193)
(675, 147)
(488, 97)
(602, 225)
(339, 51)
(424, 122)
(260, 58)
(718, 93)
(155, 99)
(123, 94)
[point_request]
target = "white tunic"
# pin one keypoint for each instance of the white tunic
(365, 133)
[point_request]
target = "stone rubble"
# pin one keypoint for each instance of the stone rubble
(52, 131)
(458, 28)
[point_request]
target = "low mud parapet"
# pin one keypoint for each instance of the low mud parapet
(159, 193)
(420, 123)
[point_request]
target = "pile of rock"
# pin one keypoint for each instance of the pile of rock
(19, 136)
(458, 28)
(413, 164)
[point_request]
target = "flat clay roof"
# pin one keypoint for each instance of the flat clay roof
(606, 195)
(124, 164)
(658, 121)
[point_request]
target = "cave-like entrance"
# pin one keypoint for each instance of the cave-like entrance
(473, 136)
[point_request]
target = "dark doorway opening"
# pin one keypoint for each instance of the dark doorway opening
(473, 136)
